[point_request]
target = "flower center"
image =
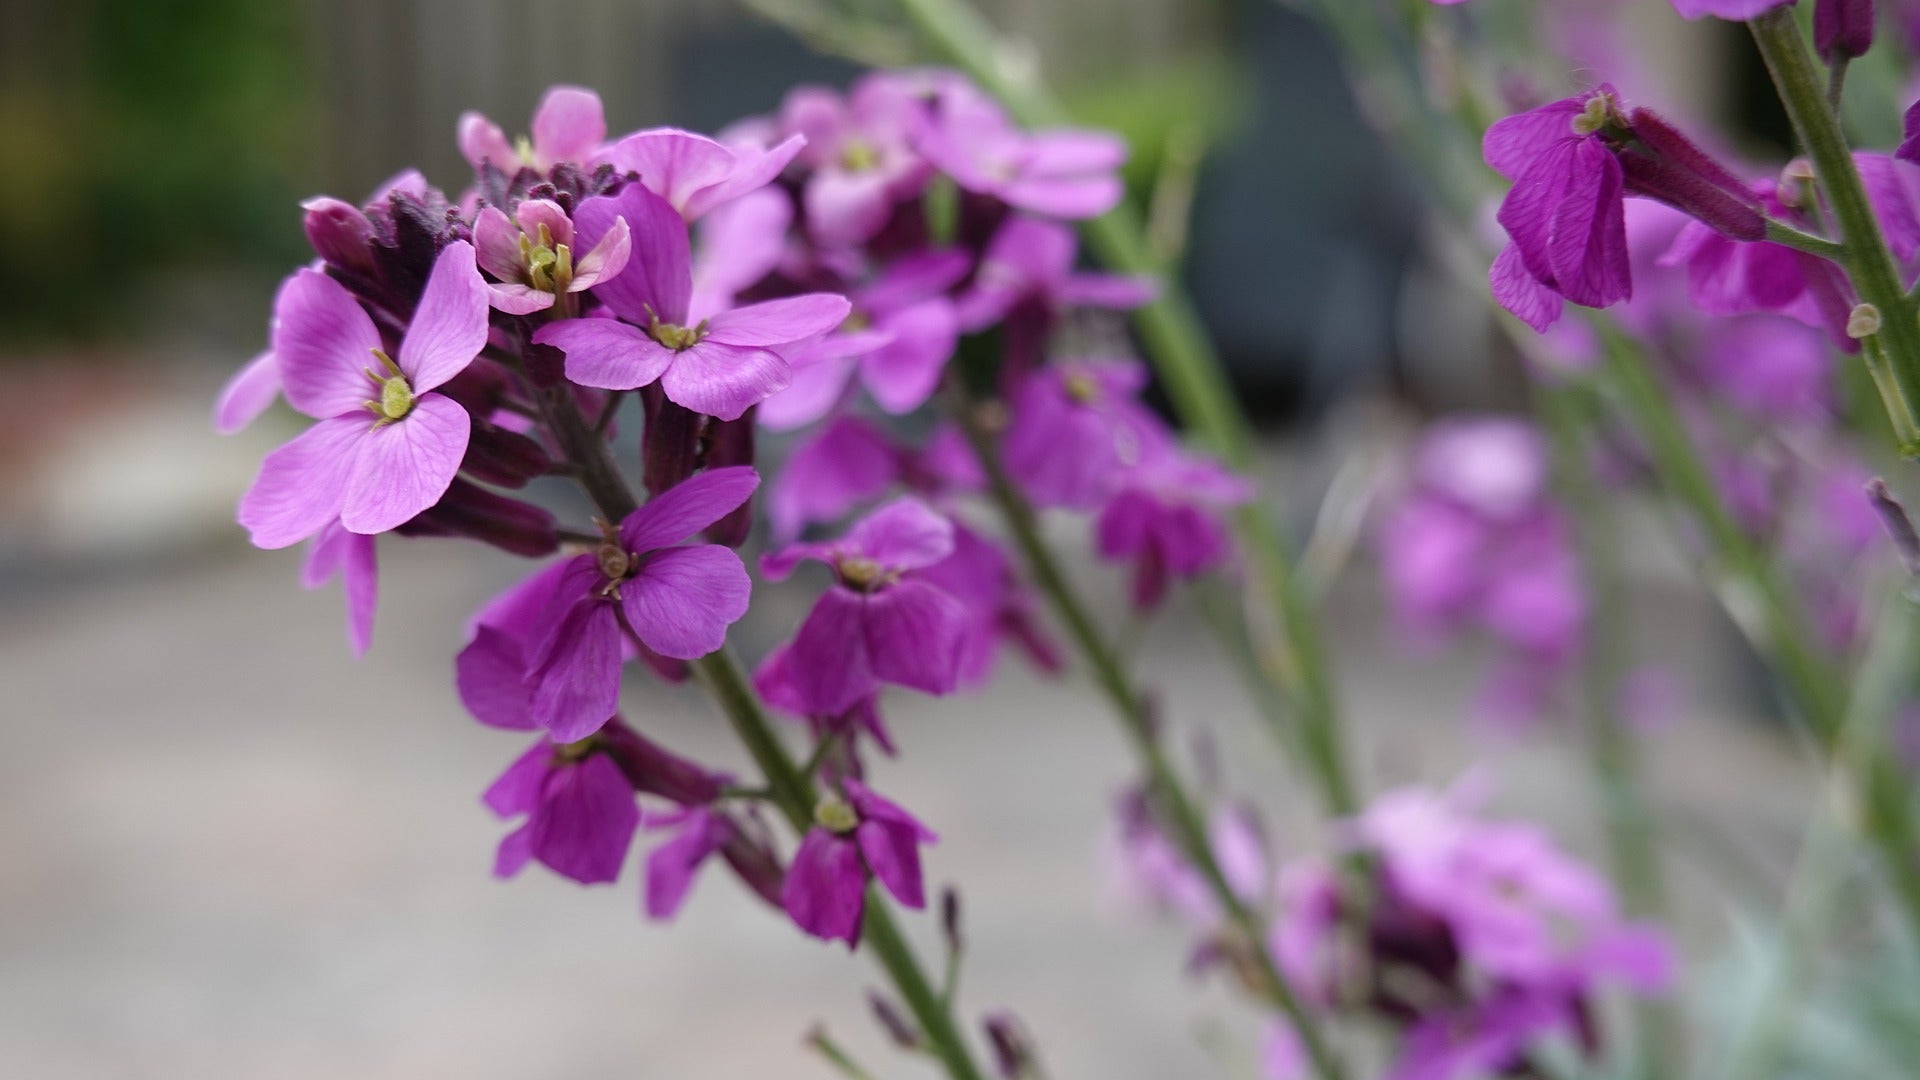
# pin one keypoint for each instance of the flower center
(1599, 110)
(834, 815)
(549, 265)
(673, 336)
(857, 155)
(1081, 389)
(859, 572)
(396, 394)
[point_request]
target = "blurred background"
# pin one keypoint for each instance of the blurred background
(229, 850)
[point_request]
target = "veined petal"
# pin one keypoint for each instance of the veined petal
(573, 680)
(585, 821)
(914, 636)
(569, 125)
(828, 659)
(351, 556)
(724, 381)
(532, 214)
(1511, 146)
(1529, 301)
(905, 534)
(403, 467)
(753, 168)
(496, 243)
(673, 164)
(606, 259)
(684, 509)
(683, 599)
(779, 322)
(605, 353)
(1589, 246)
(450, 326)
(658, 278)
(247, 394)
(302, 486)
(515, 299)
(324, 342)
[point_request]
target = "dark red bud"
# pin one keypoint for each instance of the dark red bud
(1843, 28)
(670, 445)
(504, 458)
(730, 442)
(1667, 144)
(1690, 193)
(471, 511)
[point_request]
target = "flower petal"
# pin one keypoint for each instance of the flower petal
(684, 509)
(450, 325)
(724, 381)
(490, 675)
(574, 677)
(325, 342)
(828, 660)
(914, 636)
(902, 374)
(905, 534)
(606, 259)
(1512, 145)
(403, 467)
(1070, 199)
(683, 599)
(302, 486)
(658, 278)
(779, 322)
(482, 141)
(825, 892)
(351, 556)
(753, 168)
(247, 394)
(673, 164)
(517, 790)
(604, 353)
(496, 243)
(569, 125)
(672, 865)
(893, 854)
(1589, 247)
(585, 821)
(847, 208)
(1529, 301)
(518, 299)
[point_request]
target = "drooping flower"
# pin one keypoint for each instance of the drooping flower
(579, 808)
(1076, 426)
(879, 623)
(853, 839)
(1063, 173)
(1164, 519)
(369, 463)
(569, 125)
(677, 599)
(860, 154)
(720, 363)
(532, 255)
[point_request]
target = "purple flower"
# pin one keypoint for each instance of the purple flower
(370, 463)
(877, 623)
(695, 174)
(1064, 173)
(1735, 10)
(999, 607)
(569, 125)
(350, 557)
(1164, 518)
(532, 255)
(579, 808)
(1727, 277)
(1031, 261)
(702, 832)
(721, 363)
(1909, 150)
(1076, 427)
(845, 462)
(1564, 213)
(677, 599)
(860, 154)
(853, 839)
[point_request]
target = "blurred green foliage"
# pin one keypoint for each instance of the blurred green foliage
(144, 138)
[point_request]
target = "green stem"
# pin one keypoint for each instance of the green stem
(1196, 382)
(1169, 793)
(789, 788)
(1868, 262)
(1788, 236)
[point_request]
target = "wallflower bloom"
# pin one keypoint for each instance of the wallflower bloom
(1065, 173)
(248, 393)
(863, 835)
(579, 808)
(720, 363)
(532, 255)
(677, 599)
(1076, 426)
(371, 464)
(569, 125)
(1165, 520)
(876, 624)
(859, 152)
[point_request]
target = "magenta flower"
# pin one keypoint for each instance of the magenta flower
(350, 557)
(1065, 173)
(700, 833)
(1733, 10)
(1564, 213)
(1727, 277)
(852, 840)
(1076, 427)
(860, 153)
(370, 463)
(677, 599)
(569, 125)
(718, 363)
(531, 254)
(1909, 150)
(1165, 519)
(876, 624)
(1029, 260)
(693, 173)
(840, 465)
(579, 808)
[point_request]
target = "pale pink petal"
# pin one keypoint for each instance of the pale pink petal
(1071, 199)
(606, 259)
(779, 322)
(569, 125)
(517, 299)
(658, 278)
(724, 381)
(496, 244)
(302, 485)
(403, 467)
(753, 168)
(847, 208)
(684, 509)
(683, 599)
(607, 354)
(450, 324)
(817, 386)
(482, 141)
(248, 393)
(324, 342)
(905, 534)
(673, 164)
(532, 214)
(903, 374)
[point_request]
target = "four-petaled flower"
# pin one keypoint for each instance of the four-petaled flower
(853, 838)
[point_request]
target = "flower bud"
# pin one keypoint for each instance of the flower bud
(1013, 1051)
(730, 442)
(655, 770)
(339, 233)
(504, 458)
(670, 445)
(1843, 28)
(1693, 194)
(472, 511)
(1667, 144)
(903, 1034)
(754, 863)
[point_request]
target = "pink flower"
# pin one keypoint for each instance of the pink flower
(1032, 260)
(1065, 173)
(877, 623)
(370, 463)
(569, 125)
(250, 392)
(693, 173)
(860, 152)
(531, 254)
(853, 839)
(719, 363)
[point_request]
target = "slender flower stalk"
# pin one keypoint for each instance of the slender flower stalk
(1290, 651)
(790, 788)
(1130, 708)
(1868, 262)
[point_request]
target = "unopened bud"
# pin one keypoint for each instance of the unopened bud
(1013, 1051)
(1863, 321)
(469, 510)
(904, 1035)
(1843, 28)
(339, 233)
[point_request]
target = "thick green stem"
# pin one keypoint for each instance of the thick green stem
(789, 787)
(1868, 262)
(1196, 382)
(1130, 707)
